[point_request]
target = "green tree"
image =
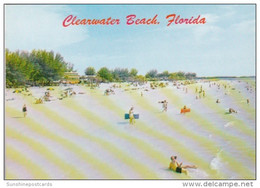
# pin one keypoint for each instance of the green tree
(38, 67)
(190, 75)
(164, 74)
(177, 76)
(90, 71)
(140, 78)
(151, 74)
(133, 72)
(120, 74)
(105, 74)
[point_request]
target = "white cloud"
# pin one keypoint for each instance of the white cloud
(209, 32)
(247, 26)
(39, 27)
(210, 18)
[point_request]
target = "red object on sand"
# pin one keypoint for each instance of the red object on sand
(185, 110)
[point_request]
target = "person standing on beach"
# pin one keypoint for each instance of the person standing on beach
(131, 116)
(24, 110)
(164, 105)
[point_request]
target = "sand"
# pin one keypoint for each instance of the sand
(85, 136)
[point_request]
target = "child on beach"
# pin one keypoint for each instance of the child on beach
(24, 110)
(131, 116)
(177, 167)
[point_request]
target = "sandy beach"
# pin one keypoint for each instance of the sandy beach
(85, 136)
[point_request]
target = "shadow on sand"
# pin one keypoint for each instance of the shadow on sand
(123, 123)
(226, 113)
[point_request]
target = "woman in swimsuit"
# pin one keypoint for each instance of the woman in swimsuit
(177, 167)
(131, 116)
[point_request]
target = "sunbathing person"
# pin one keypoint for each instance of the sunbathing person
(177, 167)
(231, 110)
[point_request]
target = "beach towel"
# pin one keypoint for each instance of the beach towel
(136, 116)
(185, 110)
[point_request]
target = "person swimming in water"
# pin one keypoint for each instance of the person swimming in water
(178, 167)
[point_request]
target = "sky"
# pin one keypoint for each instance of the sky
(223, 46)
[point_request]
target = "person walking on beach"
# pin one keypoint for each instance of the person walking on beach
(203, 93)
(164, 105)
(178, 167)
(24, 110)
(131, 116)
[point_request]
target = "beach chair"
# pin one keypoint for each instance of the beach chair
(136, 116)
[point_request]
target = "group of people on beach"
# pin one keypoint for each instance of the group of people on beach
(174, 164)
(201, 93)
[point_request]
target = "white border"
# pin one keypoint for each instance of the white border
(116, 183)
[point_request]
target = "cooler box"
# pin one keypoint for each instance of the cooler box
(136, 116)
(185, 110)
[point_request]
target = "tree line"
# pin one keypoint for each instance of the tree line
(38, 67)
(123, 74)
(42, 68)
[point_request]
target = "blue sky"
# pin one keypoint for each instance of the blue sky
(224, 46)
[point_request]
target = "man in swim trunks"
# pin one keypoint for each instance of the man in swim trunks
(177, 167)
